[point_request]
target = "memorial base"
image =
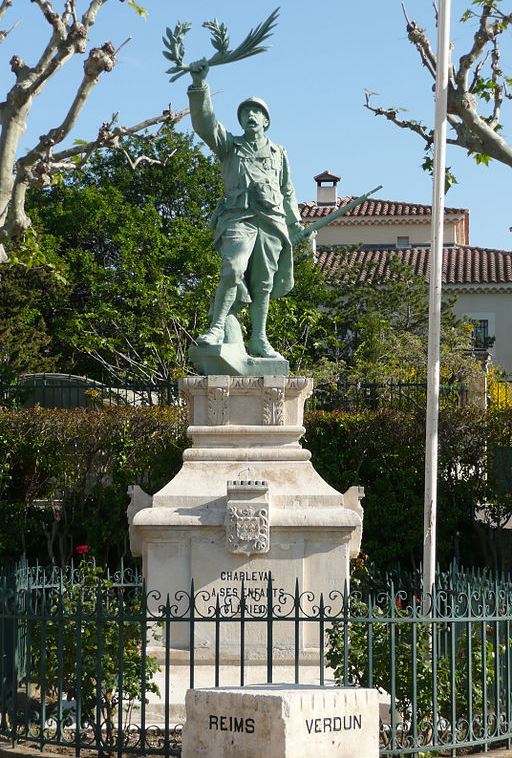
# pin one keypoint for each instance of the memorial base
(246, 512)
(283, 721)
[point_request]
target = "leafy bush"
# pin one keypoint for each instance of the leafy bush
(64, 476)
(392, 626)
(384, 452)
(90, 628)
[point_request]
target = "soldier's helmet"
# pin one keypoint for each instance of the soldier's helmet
(254, 101)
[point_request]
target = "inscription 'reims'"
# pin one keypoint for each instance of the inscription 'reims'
(230, 724)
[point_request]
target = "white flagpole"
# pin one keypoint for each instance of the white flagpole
(436, 266)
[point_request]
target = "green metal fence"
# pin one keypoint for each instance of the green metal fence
(67, 391)
(78, 657)
(405, 396)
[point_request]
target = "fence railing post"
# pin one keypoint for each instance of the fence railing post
(270, 631)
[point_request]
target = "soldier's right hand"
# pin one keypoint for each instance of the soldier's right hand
(199, 71)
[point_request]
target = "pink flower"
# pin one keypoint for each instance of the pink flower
(82, 549)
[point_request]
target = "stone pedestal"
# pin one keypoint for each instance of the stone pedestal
(282, 721)
(247, 506)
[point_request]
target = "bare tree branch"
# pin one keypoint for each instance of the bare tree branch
(482, 36)
(421, 42)
(31, 168)
(69, 15)
(469, 87)
(392, 115)
(146, 159)
(110, 138)
(89, 17)
(99, 60)
(5, 33)
(54, 19)
(497, 80)
(478, 71)
(407, 19)
(68, 36)
(4, 7)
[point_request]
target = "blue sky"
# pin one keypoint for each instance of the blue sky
(323, 56)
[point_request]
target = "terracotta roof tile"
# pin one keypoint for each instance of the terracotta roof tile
(462, 264)
(311, 210)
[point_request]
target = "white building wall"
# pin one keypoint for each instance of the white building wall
(496, 307)
(380, 234)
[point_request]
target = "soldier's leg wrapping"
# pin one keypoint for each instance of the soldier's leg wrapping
(261, 271)
(224, 299)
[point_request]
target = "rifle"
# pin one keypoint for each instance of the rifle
(316, 225)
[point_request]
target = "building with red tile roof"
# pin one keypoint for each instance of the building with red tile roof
(380, 229)
(463, 265)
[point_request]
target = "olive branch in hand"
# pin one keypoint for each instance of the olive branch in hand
(252, 44)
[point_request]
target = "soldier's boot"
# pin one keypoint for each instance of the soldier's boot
(259, 345)
(224, 299)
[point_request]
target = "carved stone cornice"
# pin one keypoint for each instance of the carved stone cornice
(249, 400)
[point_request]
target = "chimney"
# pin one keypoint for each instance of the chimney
(326, 188)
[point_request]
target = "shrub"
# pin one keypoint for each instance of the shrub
(91, 636)
(384, 451)
(64, 476)
(391, 624)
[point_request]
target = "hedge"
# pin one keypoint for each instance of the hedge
(79, 463)
(82, 462)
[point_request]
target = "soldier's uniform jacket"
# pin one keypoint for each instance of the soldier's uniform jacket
(256, 183)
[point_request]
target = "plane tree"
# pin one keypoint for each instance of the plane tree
(478, 88)
(67, 35)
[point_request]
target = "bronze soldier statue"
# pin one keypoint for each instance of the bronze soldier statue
(257, 220)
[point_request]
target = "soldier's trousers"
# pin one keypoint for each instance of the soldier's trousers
(250, 251)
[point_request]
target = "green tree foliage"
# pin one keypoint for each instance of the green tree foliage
(136, 252)
(136, 270)
(28, 301)
(300, 325)
(381, 326)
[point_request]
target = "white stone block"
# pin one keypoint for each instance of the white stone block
(281, 721)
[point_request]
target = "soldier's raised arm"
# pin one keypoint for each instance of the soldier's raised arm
(201, 109)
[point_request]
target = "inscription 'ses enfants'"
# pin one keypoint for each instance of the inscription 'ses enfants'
(255, 594)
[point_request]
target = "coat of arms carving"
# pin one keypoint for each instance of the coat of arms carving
(247, 518)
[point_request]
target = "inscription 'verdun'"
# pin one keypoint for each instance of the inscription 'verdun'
(333, 724)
